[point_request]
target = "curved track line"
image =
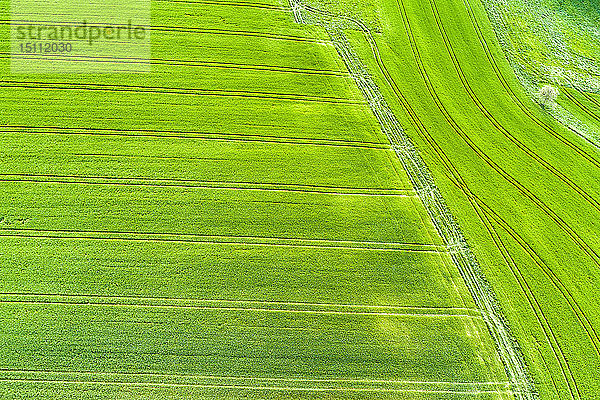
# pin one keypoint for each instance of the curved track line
(583, 320)
(497, 125)
(589, 97)
(541, 318)
(580, 105)
(587, 156)
(556, 281)
(470, 196)
(577, 240)
(441, 155)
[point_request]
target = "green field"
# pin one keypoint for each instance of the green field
(524, 189)
(235, 223)
(554, 42)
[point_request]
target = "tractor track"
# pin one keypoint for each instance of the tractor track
(592, 254)
(463, 78)
(262, 6)
(177, 183)
(542, 319)
(186, 63)
(181, 29)
(245, 94)
(590, 98)
(191, 135)
(587, 156)
(476, 203)
(580, 105)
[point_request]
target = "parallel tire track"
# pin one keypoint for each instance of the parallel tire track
(234, 306)
(180, 134)
(253, 378)
(263, 6)
(476, 205)
(185, 63)
(497, 125)
(486, 215)
(263, 241)
(237, 309)
(476, 392)
(580, 105)
(590, 98)
(98, 298)
(192, 183)
(179, 91)
(458, 181)
(179, 29)
(577, 240)
(524, 108)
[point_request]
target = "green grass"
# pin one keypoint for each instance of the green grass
(219, 160)
(554, 42)
(232, 224)
(232, 271)
(582, 105)
(534, 221)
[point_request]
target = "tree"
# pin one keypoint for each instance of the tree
(548, 94)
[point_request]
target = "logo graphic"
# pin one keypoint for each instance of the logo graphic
(71, 36)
